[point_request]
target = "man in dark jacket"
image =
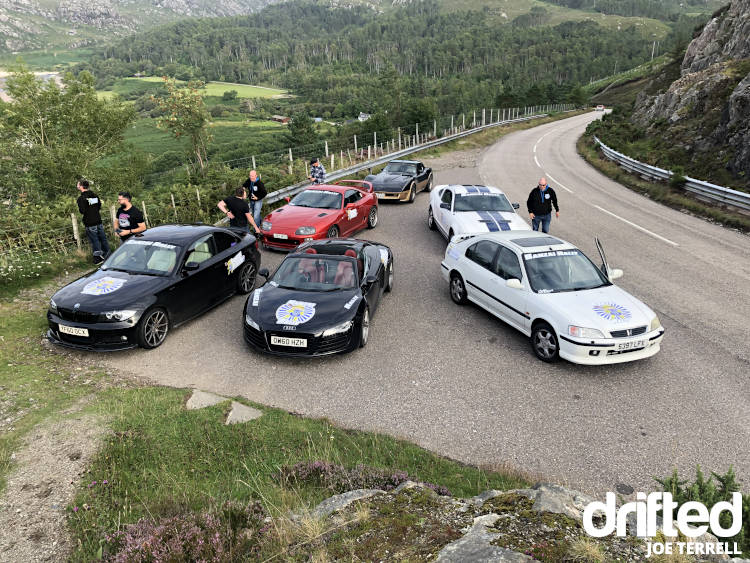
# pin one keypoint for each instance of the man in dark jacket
(89, 205)
(256, 191)
(540, 202)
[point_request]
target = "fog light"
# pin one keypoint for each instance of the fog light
(593, 352)
(124, 338)
(308, 239)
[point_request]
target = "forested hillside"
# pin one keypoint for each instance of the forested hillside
(668, 10)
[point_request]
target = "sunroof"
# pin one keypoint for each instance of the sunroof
(536, 241)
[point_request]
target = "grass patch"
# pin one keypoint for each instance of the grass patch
(162, 459)
(33, 268)
(661, 192)
(132, 86)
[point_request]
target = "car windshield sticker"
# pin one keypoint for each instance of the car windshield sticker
(295, 313)
(613, 312)
(383, 256)
(234, 263)
(351, 213)
(103, 286)
(151, 243)
(164, 245)
(501, 222)
(483, 189)
(351, 302)
(323, 192)
(548, 254)
(256, 296)
(486, 218)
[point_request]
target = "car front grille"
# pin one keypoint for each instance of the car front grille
(77, 316)
(334, 343)
(626, 333)
(255, 336)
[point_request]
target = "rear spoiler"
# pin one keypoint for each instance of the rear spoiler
(359, 184)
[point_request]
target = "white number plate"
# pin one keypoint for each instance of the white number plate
(378, 195)
(632, 345)
(75, 331)
(279, 235)
(285, 341)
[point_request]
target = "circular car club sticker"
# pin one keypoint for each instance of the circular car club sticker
(295, 312)
(612, 312)
(103, 286)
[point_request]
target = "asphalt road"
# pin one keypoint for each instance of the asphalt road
(461, 383)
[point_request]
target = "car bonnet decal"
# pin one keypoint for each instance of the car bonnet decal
(295, 312)
(483, 189)
(256, 296)
(613, 312)
(487, 219)
(383, 256)
(103, 286)
(503, 223)
(352, 301)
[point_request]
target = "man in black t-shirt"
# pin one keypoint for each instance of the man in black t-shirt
(256, 191)
(89, 205)
(236, 208)
(129, 219)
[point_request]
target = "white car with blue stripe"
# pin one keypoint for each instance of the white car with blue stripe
(460, 209)
(550, 290)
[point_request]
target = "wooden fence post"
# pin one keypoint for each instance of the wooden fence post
(355, 144)
(332, 157)
(76, 235)
(349, 154)
(434, 127)
(174, 207)
(198, 194)
(145, 214)
(326, 149)
(291, 161)
(253, 164)
(368, 152)
(307, 171)
(375, 141)
(113, 212)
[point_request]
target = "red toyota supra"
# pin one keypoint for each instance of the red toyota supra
(321, 211)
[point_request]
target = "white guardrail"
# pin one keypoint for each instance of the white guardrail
(702, 190)
(289, 191)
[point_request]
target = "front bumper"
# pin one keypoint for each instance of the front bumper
(288, 244)
(103, 337)
(392, 195)
(316, 345)
(610, 350)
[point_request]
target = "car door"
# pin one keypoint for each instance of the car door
(509, 302)
(353, 214)
(479, 273)
(227, 254)
(372, 266)
(445, 212)
(421, 176)
(200, 284)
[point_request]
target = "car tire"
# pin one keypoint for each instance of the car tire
(246, 277)
(389, 277)
(372, 217)
(364, 327)
(428, 185)
(333, 232)
(544, 342)
(458, 289)
(413, 193)
(431, 219)
(153, 328)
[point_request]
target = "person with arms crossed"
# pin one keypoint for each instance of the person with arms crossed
(129, 219)
(257, 191)
(89, 205)
(237, 209)
(540, 202)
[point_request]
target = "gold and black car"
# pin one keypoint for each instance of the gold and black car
(400, 180)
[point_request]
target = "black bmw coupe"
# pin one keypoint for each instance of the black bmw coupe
(152, 283)
(321, 298)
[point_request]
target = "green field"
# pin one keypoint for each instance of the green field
(127, 87)
(46, 59)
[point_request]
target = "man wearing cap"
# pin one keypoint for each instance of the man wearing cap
(317, 172)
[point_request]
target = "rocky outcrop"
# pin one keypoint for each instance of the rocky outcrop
(707, 110)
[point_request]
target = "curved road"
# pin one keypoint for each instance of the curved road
(461, 383)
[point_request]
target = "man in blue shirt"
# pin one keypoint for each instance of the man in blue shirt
(540, 202)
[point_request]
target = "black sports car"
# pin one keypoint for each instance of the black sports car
(320, 299)
(153, 282)
(400, 180)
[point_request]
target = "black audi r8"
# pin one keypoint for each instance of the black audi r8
(152, 283)
(400, 180)
(320, 299)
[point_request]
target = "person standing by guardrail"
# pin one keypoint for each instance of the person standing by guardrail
(129, 220)
(317, 172)
(540, 202)
(89, 205)
(238, 211)
(256, 191)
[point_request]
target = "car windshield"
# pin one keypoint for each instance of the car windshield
(317, 198)
(316, 273)
(482, 202)
(143, 257)
(401, 168)
(562, 270)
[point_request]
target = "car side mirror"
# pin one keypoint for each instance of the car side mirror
(514, 283)
(288, 199)
(264, 272)
(369, 280)
(445, 206)
(191, 266)
(615, 273)
(516, 206)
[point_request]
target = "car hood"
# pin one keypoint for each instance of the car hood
(605, 308)
(293, 217)
(473, 222)
(390, 180)
(320, 310)
(108, 290)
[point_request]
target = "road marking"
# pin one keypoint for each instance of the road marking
(537, 162)
(558, 183)
(637, 226)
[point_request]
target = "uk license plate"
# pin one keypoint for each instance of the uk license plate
(378, 195)
(74, 330)
(279, 235)
(632, 345)
(286, 341)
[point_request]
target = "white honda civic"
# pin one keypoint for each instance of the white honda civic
(552, 292)
(458, 209)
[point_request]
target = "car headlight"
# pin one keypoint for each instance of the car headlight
(53, 306)
(305, 231)
(655, 324)
(338, 329)
(583, 332)
(265, 226)
(251, 322)
(117, 316)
